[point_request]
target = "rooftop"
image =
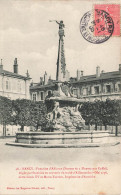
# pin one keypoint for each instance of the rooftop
(15, 71)
(38, 86)
(103, 76)
(15, 75)
(83, 79)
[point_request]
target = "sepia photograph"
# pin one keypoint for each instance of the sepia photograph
(60, 97)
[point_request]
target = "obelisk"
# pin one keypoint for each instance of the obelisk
(61, 65)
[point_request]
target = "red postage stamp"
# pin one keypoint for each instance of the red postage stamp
(106, 16)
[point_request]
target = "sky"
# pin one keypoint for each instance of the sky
(27, 34)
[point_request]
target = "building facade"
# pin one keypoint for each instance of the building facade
(101, 86)
(14, 85)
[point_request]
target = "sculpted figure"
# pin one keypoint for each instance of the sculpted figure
(61, 25)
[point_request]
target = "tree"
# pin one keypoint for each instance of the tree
(96, 113)
(5, 112)
(85, 110)
(21, 108)
(102, 113)
(90, 112)
(29, 113)
(114, 113)
(38, 114)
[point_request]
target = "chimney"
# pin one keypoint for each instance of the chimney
(15, 66)
(31, 84)
(27, 74)
(1, 66)
(78, 75)
(119, 68)
(82, 73)
(68, 73)
(97, 71)
(45, 78)
(50, 77)
(102, 71)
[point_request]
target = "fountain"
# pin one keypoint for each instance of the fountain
(66, 129)
(66, 126)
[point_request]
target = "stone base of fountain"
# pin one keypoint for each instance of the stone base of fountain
(63, 139)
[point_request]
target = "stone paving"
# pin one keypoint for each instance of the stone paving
(13, 158)
(59, 155)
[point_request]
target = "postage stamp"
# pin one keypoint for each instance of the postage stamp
(114, 11)
(103, 23)
(96, 26)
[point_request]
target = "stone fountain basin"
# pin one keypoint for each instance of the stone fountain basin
(62, 139)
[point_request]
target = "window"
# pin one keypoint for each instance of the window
(49, 93)
(96, 89)
(75, 91)
(119, 87)
(42, 95)
(85, 91)
(7, 85)
(108, 88)
(80, 91)
(34, 97)
(89, 90)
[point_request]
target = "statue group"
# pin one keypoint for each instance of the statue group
(67, 118)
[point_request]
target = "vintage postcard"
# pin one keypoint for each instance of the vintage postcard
(60, 97)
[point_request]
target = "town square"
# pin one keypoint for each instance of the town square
(60, 98)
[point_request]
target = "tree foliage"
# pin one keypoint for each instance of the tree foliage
(102, 113)
(29, 113)
(22, 112)
(21, 109)
(5, 112)
(38, 114)
(90, 112)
